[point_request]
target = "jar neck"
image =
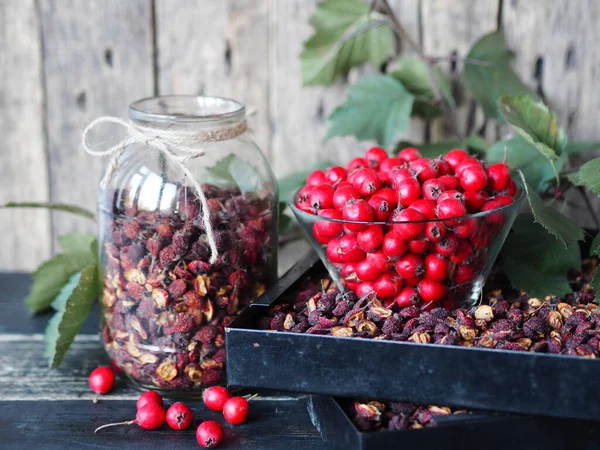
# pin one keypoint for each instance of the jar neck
(188, 113)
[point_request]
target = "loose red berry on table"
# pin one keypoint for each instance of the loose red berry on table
(150, 417)
(209, 434)
(215, 397)
(235, 410)
(102, 380)
(179, 416)
(149, 397)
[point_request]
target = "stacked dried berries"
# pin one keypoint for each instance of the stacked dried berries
(511, 321)
(380, 416)
(165, 306)
(421, 260)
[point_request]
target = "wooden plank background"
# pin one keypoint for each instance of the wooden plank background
(65, 62)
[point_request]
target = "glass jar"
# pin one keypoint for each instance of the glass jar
(165, 301)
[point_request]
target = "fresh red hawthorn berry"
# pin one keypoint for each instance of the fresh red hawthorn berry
(343, 184)
(498, 177)
(463, 252)
(436, 267)
(388, 164)
(209, 434)
(390, 195)
(412, 282)
(450, 208)
(408, 190)
(365, 180)
(412, 229)
(473, 201)
(474, 178)
(466, 163)
(321, 197)
(466, 228)
(375, 156)
(357, 211)
(363, 289)
(335, 174)
(447, 246)
(425, 207)
(348, 273)
(407, 297)
(179, 416)
(451, 195)
(215, 397)
(425, 168)
(327, 228)
(433, 188)
(380, 261)
(431, 291)
(316, 178)
(304, 192)
(370, 239)
(512, 188)
(304, 206)
(418, 246)
(366, 271)
(495, 217)
(332, 251)
(443, 168)
(150, 417)
(399, 174)
(343, 194)
(409, 154)
(435, 231)
(101, 380)
(149, 397)
(410, 266)
(235, 410)
(464, 274)
(504, 200)
(387, 285)
(348, 249)
(455, 157)
(450, 181)
(321, 239)
(393, 246)
(356, 163)
(381, 208)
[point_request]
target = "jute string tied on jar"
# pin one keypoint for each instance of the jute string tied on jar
(177, 146)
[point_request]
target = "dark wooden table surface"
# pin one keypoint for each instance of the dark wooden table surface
(53, 409)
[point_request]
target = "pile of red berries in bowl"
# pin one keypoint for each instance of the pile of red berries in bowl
(411, 230)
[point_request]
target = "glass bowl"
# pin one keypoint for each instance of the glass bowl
(454, 256)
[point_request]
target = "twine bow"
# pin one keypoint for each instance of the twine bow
(177, 146)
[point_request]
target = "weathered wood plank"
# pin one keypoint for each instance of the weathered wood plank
(26, 234)
(98, 58)
(217, 48)
(450, 27)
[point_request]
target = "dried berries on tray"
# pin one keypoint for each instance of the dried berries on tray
(511, 320)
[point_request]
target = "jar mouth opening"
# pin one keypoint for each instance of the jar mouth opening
(185, 109)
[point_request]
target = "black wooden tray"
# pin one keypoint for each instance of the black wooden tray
(460, 432)
(473, 378)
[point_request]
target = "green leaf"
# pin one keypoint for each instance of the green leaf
(552, 220)
(347, 34)
(289, 183)
(489, 83)
(588, 175)
(72, 307)
(595, 283)
(233, 170)
(595, 247)
(536, 123)
(76, 242)
(476, 144)
(520, 154)
(52, 275)
(53, 206)
(577, 148)
(378, 107)
(414, 76)
(537, 262)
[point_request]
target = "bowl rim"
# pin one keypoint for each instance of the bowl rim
(517, 202)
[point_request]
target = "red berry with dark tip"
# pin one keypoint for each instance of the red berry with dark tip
(387, 285)
(375, 156)
(399, 174)
(451, 195)
(466, 228)
(463, 253)
(328, 228)
(348, 249)
(455, 157)
(388, 164)
(433, 188)
(393, 246)
(407, 297)
(357, 163)
(179, 416)
(101, 380)
(408, 190)
(235, 410)
(425, 169)
(450, 208)
(321, 197)
(473, 201)
(436, 267)
(414, 226)
(365, 180)
(466, 163)
(343, 195)
(390, 195)
(463, 274)
(409, 154)
(357, 211)
(418, 246)
(410, 266)
(332, 251)
(474, 178)
(435, 231)
(335, 175)
(370, 239)
(447, 246)
(215, 397)
(443, 168)
(498, 177)
(432, 291)
(381, 208)
(209, 434)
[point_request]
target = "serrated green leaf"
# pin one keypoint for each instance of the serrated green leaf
(52, 206)
(552, 220)
(535, 261)
(536, 123)
(72, 306)
(595, 247)
(289, 183)
(414, 76)
(233, 170)
(378, 107)
(577, 148)
(347, 34)
(489, 83)
(520, 154)
(52, 275)
(76, 242)
(588, 175)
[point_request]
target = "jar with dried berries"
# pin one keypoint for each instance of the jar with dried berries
(188, 229)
